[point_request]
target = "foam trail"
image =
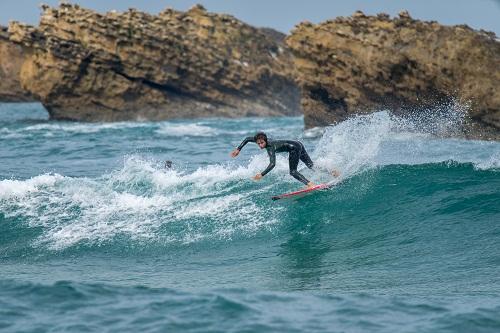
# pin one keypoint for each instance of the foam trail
(140, 202)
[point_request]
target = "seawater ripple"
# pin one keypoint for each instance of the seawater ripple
(107, 308)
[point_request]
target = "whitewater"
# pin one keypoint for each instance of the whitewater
(97, 235)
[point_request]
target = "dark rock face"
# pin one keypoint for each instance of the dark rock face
(132, 65)
(364, 63)
(11, 59)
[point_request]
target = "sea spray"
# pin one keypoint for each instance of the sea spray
(135, 201)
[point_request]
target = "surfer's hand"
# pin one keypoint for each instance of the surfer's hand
(235, 152)
(258, 176)
(335, 173)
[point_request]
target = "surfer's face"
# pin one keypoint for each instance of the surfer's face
(262, 144)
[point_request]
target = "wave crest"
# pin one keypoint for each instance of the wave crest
(139, 201)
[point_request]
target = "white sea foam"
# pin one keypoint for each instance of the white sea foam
(138, 201)
(493, 162)
(83, 127)
(207, 128)
(15, 189)
(172, 129)
(314, 132)
(50, 129)
(352, 145)
(380, 139)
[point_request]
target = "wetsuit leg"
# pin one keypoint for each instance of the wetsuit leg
(304, 157)
(293, 162)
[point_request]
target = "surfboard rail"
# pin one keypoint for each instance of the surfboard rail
(299, 193)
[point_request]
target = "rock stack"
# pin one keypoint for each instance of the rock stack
(362, 63)
(11, 59)
(125, 66)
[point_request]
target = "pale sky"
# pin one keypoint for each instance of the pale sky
(284, 14)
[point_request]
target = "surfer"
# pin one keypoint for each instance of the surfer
(296, 151)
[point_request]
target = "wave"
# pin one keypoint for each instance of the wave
(380, 139)
(57, 129)
(207, 128)
(86, 306)
(136, 202)
(52, 129)
(143, 202)
(169, 129)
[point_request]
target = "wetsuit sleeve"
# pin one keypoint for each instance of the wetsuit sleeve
(272, 161)
(244, 142)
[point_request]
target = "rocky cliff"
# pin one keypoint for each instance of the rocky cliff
(119, 66)
(365, 63)
(11, 58)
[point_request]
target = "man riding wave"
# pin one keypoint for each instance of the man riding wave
(296, 152)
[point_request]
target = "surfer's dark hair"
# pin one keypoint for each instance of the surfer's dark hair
(260, 136)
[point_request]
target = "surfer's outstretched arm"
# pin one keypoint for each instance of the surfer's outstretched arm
(272, 162)
(248, 139)
(244, 142)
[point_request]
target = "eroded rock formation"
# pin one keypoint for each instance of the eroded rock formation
(366, 63)
(11, 58)
(132, 65)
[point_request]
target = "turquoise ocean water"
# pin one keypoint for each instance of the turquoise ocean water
(97, 236)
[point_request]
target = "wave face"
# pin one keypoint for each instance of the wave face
(90, 217)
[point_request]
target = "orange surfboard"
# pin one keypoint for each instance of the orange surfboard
(303, 192)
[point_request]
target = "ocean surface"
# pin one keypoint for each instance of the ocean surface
(96, 235)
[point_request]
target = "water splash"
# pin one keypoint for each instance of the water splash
(378, 139)
(139, 201)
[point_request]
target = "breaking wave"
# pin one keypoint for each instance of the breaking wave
(143, 202)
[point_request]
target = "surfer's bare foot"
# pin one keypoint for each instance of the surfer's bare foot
(310, 185)
(335, 173)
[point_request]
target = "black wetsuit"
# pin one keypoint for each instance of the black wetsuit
(296, 151)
